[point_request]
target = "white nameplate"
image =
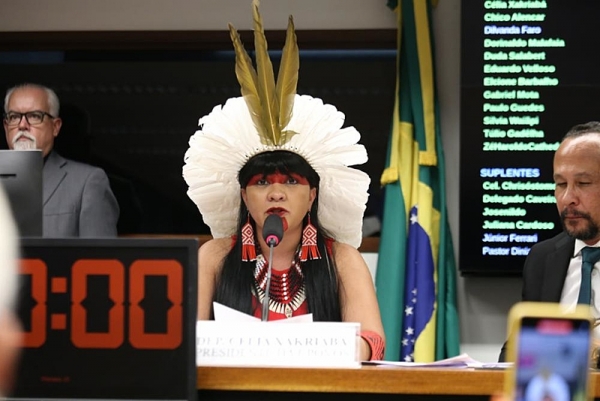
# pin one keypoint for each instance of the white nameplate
(314, 344)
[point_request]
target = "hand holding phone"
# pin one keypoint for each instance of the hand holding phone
(550, 348)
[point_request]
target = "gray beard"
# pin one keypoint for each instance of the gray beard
(29, 144)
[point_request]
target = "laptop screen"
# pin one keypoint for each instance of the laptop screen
(21, 177)
(108, 319)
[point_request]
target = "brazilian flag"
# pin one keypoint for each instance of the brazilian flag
(416, 271)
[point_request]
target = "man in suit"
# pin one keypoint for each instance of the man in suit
(553, 268)
(78, 201)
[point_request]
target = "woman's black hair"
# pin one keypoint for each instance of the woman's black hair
(235, 281)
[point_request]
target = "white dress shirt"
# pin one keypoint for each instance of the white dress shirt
(570, 291)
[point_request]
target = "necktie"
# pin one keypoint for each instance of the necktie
(589, 256)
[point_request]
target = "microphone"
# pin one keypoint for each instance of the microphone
(272, 234)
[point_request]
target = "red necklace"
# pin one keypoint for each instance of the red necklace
(286, 293)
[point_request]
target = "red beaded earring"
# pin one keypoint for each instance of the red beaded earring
(248, 246)
(309, 249)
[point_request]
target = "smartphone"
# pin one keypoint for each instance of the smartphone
(551, 351)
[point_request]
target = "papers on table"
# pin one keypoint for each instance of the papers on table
(460, 361)
(226, 314)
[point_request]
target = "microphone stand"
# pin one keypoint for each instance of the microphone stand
(265, 302)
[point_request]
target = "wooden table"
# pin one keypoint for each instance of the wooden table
(368, 382)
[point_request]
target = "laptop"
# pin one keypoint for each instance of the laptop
(107, 319)
(21, 177)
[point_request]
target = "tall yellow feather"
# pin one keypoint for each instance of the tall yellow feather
(287, 79)
(246, 76)
(266, 80)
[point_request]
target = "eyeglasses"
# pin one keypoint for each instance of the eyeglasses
(32, 117)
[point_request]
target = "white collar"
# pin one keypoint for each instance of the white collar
(579, 245)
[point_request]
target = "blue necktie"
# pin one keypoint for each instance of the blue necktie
(589, 256)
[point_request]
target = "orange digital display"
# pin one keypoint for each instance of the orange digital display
(108, 318)
(114, 270)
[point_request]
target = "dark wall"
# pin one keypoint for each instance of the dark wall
(132, 113)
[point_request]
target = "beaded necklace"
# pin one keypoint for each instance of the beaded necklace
(286, 293)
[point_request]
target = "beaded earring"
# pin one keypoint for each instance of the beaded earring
(248, 246)
(309, 250)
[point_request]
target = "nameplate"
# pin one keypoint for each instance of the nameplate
(314, 344)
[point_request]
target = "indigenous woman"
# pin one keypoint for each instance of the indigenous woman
(272, 152)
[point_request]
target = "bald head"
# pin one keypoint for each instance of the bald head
(584, 144)
(592, 127)
(577, 179)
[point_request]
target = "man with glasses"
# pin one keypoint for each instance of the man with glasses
(78, 201)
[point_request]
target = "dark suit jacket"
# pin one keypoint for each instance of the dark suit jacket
(78, 201)
(545, 271)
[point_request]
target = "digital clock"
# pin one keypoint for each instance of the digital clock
(108, 318)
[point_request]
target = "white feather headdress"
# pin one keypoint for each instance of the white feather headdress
(267, 118)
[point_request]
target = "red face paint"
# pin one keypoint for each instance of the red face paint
(277, 178)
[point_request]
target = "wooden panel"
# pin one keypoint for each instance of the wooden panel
(368, 379)
(198, 40)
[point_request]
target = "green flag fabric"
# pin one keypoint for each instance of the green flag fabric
(416, 272)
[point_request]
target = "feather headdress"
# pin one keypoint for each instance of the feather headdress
(271, 116)
(270, 105)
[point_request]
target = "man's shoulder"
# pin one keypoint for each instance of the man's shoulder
(74, 165)
(80, 165)
(559, 240)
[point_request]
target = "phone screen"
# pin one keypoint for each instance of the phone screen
(552, 361)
